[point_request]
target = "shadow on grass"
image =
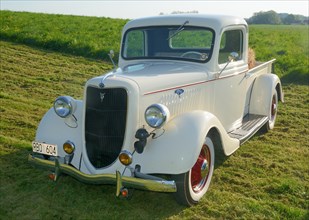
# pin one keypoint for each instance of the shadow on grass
(297, 77)
(27, 192)
(62, 47)
(220, 159)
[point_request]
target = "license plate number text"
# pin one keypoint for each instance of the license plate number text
(43, 148)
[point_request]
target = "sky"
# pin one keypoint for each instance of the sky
(133, 9)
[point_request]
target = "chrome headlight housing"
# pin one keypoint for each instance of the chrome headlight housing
(64, 106)
(157, 115)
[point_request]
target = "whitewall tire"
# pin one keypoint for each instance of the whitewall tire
(273, 109)
(192, 185)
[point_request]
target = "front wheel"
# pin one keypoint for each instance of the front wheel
(192, 185)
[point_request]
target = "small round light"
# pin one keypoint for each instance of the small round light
(52, 176)
(63, 106)
(69, 147)
(156, 115)
(124, 192)
(125, 158)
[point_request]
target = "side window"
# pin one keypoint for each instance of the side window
(231, 41)
(135, 44)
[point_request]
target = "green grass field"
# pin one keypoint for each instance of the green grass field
(288, 44)
(267, 178)
(78, 35)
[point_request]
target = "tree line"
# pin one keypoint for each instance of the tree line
(268, 17)
(272, 17)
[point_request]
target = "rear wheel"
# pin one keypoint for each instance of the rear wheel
(272, 115)
(192, 185)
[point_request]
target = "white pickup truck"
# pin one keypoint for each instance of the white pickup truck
(182, 93)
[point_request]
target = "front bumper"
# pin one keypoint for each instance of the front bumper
(114, 179)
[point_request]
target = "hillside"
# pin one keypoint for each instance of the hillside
(78, 35)
(288, 44)
(94, 37)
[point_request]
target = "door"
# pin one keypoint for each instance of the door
(230, 87)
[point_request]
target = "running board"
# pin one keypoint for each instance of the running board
(250, 125)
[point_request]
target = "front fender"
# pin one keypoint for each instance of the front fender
(177, 149)
(55, 130)
(262, 92)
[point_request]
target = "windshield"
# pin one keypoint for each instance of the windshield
(167, 42)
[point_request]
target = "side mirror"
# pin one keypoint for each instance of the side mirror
(111, 56)
(233, 56)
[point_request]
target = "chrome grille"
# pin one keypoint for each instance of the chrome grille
(105, 123)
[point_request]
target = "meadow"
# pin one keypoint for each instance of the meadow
(94, 37)
(83, 36)
(267, 178)
(288, 44)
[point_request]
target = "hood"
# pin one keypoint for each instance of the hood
(159, 76)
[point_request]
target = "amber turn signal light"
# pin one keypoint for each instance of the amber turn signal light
(69, 147)
(125, 158)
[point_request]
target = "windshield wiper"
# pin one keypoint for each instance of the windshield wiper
(180, 29)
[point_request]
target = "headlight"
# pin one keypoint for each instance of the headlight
(156, 115)
(64, 106)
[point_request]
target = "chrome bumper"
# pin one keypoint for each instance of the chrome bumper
(114, 179)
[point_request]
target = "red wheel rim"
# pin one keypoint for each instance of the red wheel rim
(200, 170)
(273, 107)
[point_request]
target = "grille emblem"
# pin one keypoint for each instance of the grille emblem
(102, 96)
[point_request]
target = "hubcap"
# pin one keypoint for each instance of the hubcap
(200, 170)
(204, 169)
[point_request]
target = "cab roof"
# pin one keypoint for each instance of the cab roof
(216, 22)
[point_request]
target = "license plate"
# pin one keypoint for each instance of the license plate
(43, 148)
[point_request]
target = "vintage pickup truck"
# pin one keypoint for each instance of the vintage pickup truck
(182, 92)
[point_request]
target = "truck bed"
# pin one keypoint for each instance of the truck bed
(262, 67)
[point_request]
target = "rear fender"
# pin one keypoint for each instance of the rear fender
(262, 92)
(177, 149)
